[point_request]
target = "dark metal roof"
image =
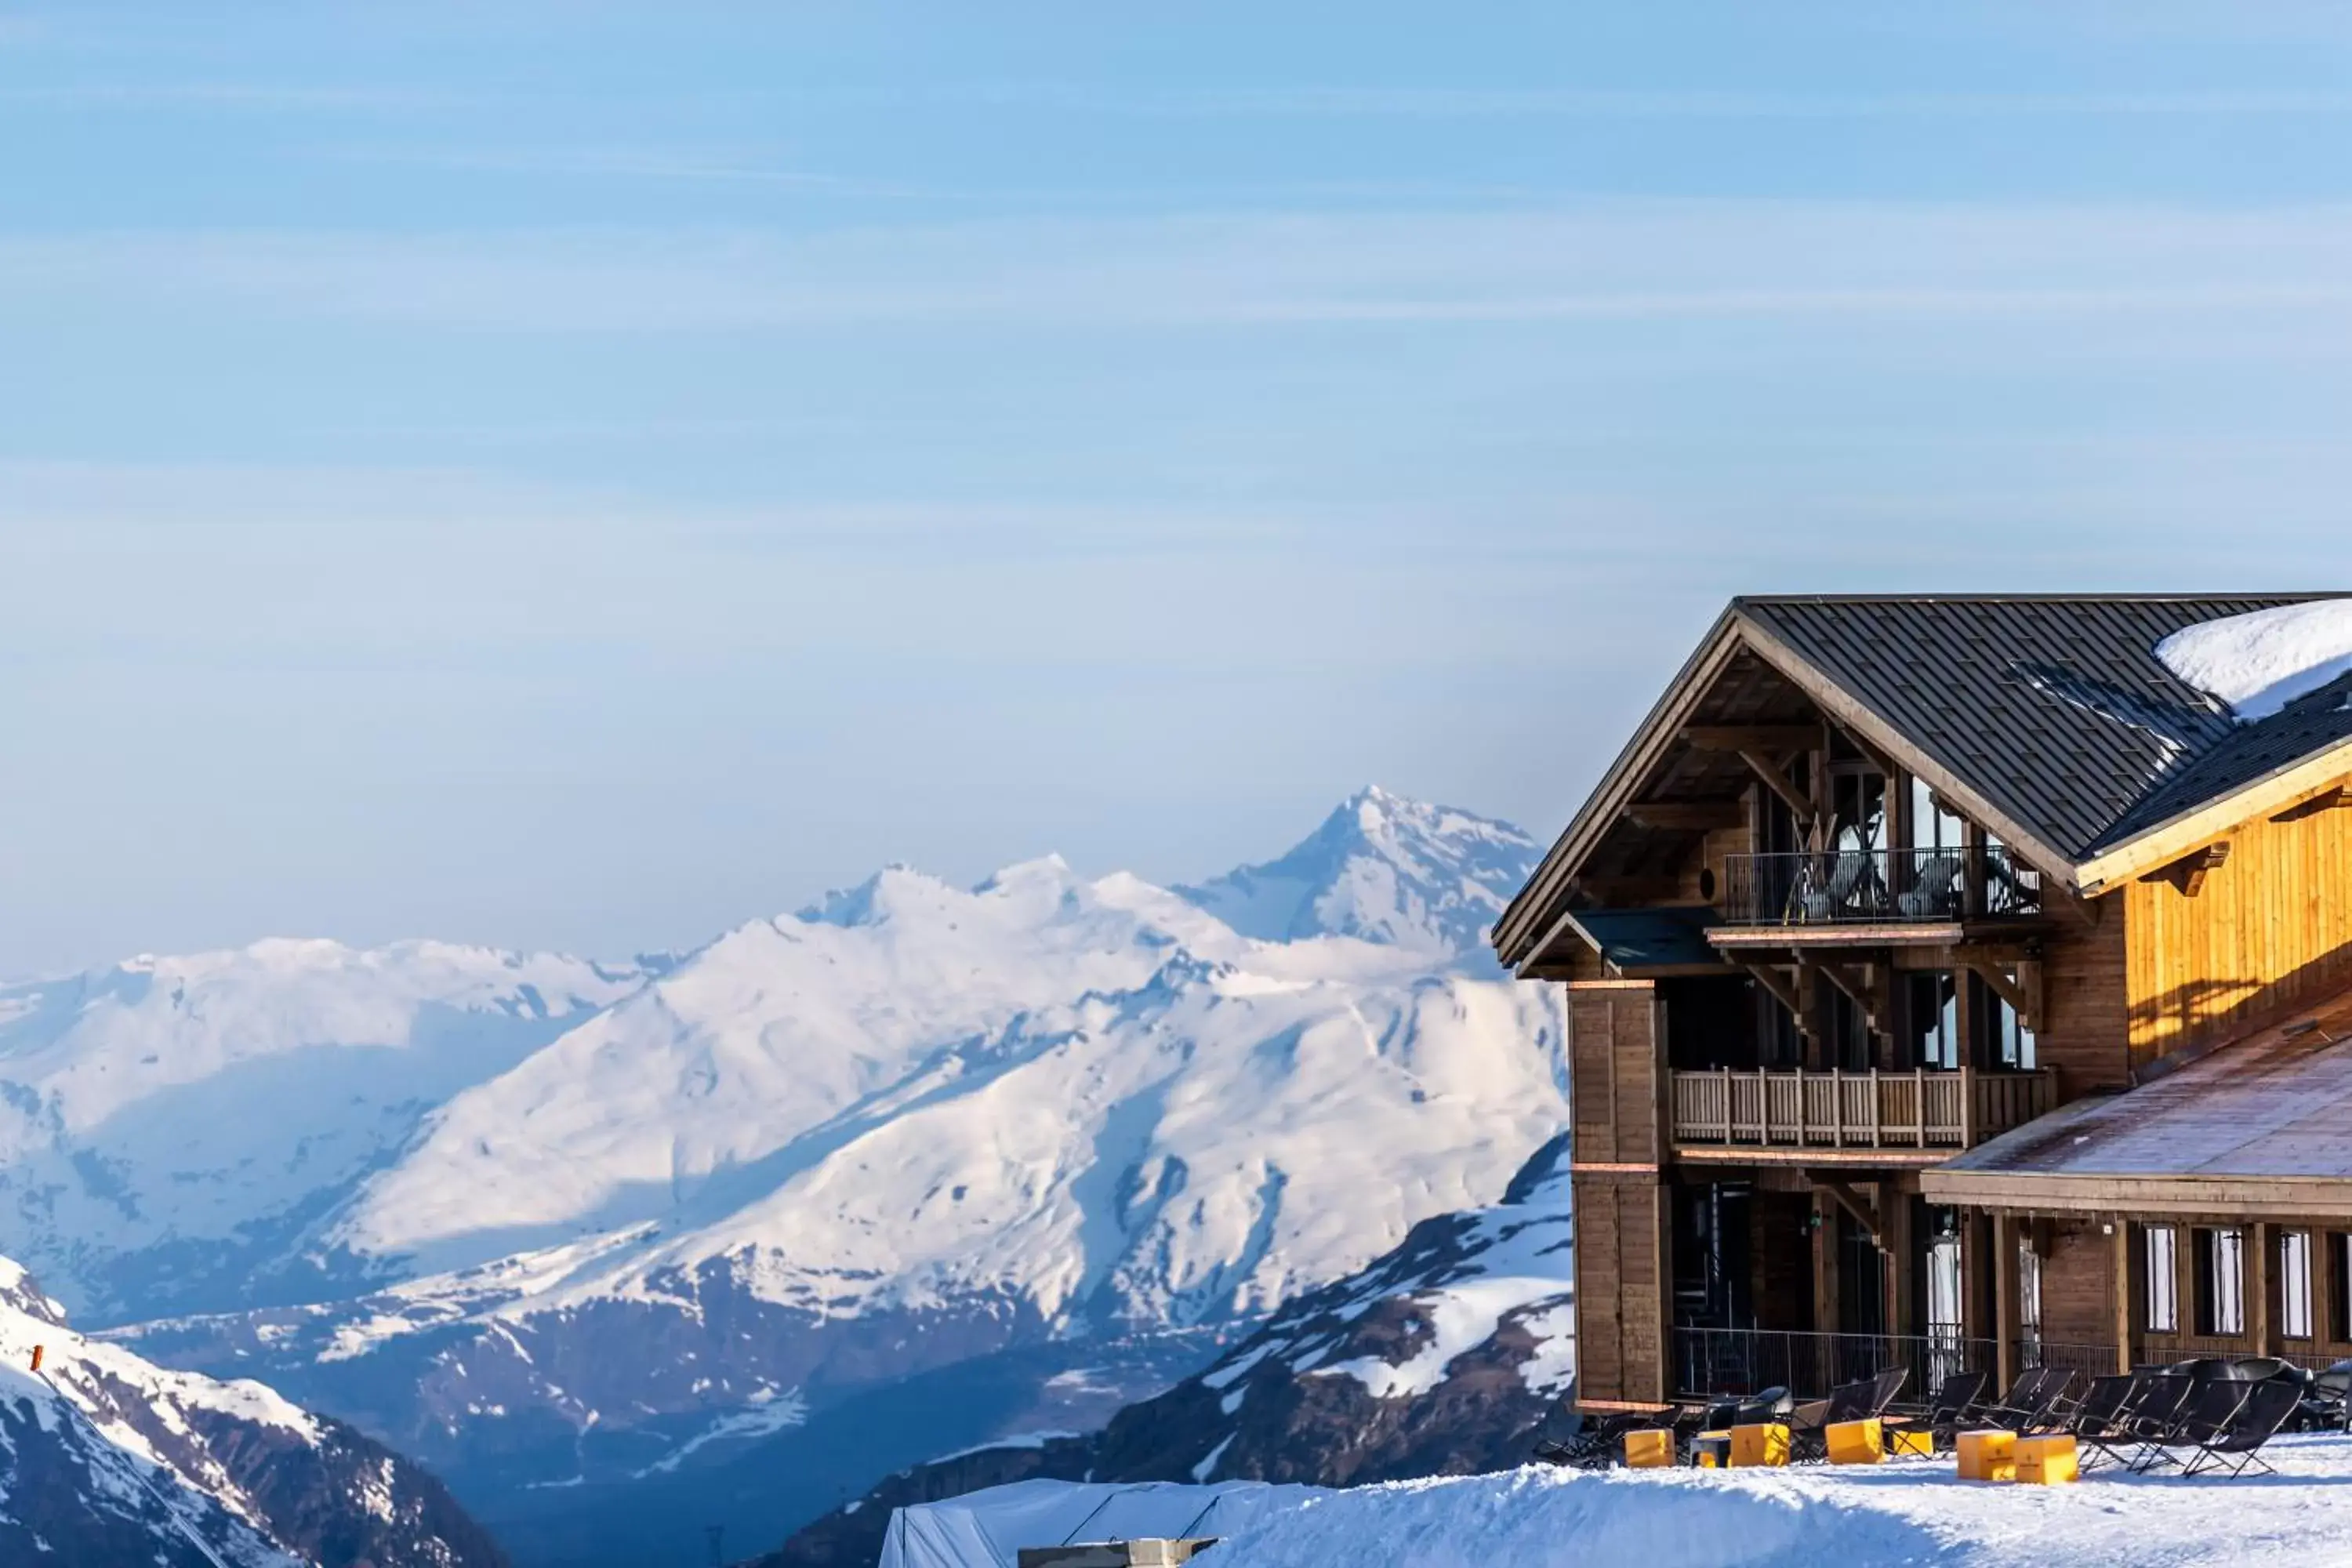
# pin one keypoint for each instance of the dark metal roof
(2054, 709)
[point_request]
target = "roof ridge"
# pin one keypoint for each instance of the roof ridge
(2305, 596)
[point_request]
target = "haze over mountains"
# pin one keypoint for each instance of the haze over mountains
(551, 1224)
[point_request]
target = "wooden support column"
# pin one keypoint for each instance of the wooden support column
(1825, 1268)
(2258, 1286)
(2120, 1310)
(2004, 1299)
(1895, 1232)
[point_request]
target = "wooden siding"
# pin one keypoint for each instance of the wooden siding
(2084, 1035)
(2268, 928)
(2078, 1283)
(1621, 1294)
(1615, 1061)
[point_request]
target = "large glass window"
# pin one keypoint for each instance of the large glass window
(2029, 1302)
(1859, 801)
(2340, 1271)
(2003, 1038)
(1945, 1350)
(2163, 1281)
(2294, 1284)
(2221, 1283)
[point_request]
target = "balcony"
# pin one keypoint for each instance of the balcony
(1932, 1112)
(1877, 887)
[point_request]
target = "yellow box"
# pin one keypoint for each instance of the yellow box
(1856, 1442)
(1712, 1450)
(2047, 1461)
(1989, 1456)
(1766, 1443)
(1910, 1443)
(1650, 1450)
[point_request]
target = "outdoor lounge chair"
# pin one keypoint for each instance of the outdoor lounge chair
(2031, 1400)
(2101, 1415)
(1809, 1424)
(1596, 1444)
(1934, 889)
(2237, 1446)
(2154, 1412)
(1944, 1414)
(2202, 1417)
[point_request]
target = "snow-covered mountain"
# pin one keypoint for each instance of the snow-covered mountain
(1396, 871)
(1448, 1356)
(647, 1217)
(111, 1462)
(169, 1128)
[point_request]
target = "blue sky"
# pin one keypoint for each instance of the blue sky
(588, 474)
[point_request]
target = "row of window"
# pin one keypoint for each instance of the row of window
(2217, 1258)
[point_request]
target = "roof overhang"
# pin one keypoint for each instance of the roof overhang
(2283, 1197)
(2168, 841)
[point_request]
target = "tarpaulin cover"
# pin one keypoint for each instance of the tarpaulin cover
(987, 1529)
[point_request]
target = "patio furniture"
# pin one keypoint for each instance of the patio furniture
(2099, 1417)
(1809, 1424)
(2203, 1416)
(2150, 1419)
(1944, 1414)
(1988, 1454)
(2237, 1447)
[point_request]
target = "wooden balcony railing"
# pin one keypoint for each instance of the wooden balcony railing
(1724, 1107)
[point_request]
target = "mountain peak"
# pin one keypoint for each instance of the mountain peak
(1385, 867)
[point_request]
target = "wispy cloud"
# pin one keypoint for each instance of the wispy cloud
(1612, 260)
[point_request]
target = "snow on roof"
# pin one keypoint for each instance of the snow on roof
(1889, 1513)
(2258, 662)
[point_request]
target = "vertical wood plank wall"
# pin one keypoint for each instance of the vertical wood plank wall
(1615, 1061)
(2085, 1006)
(2270, 928)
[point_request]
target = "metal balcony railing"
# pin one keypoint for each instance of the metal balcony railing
(1877, 887)
(1726, 1108)
(1722, 1364)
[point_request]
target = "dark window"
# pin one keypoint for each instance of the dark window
(2340, 1276)
(1932, 1015)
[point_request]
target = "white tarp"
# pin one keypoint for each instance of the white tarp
(987, 1529)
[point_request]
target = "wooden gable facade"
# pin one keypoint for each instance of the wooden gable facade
(1880, 889)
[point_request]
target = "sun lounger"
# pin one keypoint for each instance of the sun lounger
(1948, 1412)
(2099, 1419)
(2203, 1416)
(2237, 1446)
(2155, 1411)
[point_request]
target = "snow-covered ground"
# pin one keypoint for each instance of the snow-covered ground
(1916, 1513)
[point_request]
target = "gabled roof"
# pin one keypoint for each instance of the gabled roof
(2047, 718)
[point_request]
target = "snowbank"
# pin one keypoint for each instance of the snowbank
(1894, 1513)
(2259, 663)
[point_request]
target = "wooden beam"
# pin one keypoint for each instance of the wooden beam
(2024, 999)
(1629, 889)
(2188, 872)
(1782, 990)
(1864, 1212)
(2005, 1301)
(2119, 1291)
(1866, 993)
(1692, 816)
(1766, 769)
(2326, 800)
(1751, 737)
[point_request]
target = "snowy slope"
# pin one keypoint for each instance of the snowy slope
(1902, 1513)
(111, 1461)
(170, 1125)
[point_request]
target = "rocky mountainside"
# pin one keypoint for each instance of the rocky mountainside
(582, 1231)
(1447, 1356)
(112, 1462)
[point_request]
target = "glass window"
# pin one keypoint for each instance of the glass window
(2163, 1281)
(2005, 1041)
(1934, 1013)
(2341, 1329)
(2221, 1283)
(2029, 1302)
(1932, 827)
(2294, 1284)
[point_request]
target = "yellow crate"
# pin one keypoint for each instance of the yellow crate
(1766, 1443)
(1712, 1450)
(1856, 1442)
(1988, 1456)
(1910, 1443)
(1650, 1450)
(2047, 1461)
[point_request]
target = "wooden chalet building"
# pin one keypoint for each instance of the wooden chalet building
(1949, 981)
